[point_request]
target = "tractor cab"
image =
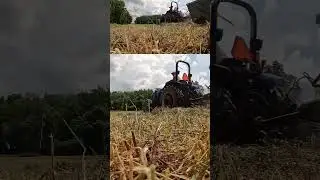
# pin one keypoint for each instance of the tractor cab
(186, 77)
(172, 15)
(171, 9)
(245, 61)
(179, 92)
(240, 49)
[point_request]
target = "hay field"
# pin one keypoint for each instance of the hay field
(174, 144)
(39, 167)
(277, 161)
(174, 38)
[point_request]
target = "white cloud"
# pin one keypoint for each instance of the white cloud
(149, 7)
(144, 71)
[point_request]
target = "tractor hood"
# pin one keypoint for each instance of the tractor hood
(199, 8)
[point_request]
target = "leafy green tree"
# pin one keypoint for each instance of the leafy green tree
(119, 13)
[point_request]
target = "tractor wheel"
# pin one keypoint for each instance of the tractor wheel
(170, 97)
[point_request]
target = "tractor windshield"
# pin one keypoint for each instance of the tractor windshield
(238, 40)
(184, 70)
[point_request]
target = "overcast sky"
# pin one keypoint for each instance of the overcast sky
(144, 71)
(147, 7)
(52, 45)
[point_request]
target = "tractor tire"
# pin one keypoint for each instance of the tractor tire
(169, 97)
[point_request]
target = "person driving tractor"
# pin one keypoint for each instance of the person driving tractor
(184, 77)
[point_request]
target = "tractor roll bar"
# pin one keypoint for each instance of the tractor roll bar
(171, 5)
(254, 47)
(177, 68)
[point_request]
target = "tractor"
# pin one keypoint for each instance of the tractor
(172, 15)
(179, 93)
(249, 104)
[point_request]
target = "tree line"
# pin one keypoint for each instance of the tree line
(120, 15)
(130, 100)
(153, 19)
(28, 120)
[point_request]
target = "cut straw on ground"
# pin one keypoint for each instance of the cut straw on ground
(175, 38)
(173, 144)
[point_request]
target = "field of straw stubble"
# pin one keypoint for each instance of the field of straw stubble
(174, 144)
(174, 38)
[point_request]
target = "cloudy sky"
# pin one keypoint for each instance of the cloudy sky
(147, 7)
(52, 45)
(143, 71)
